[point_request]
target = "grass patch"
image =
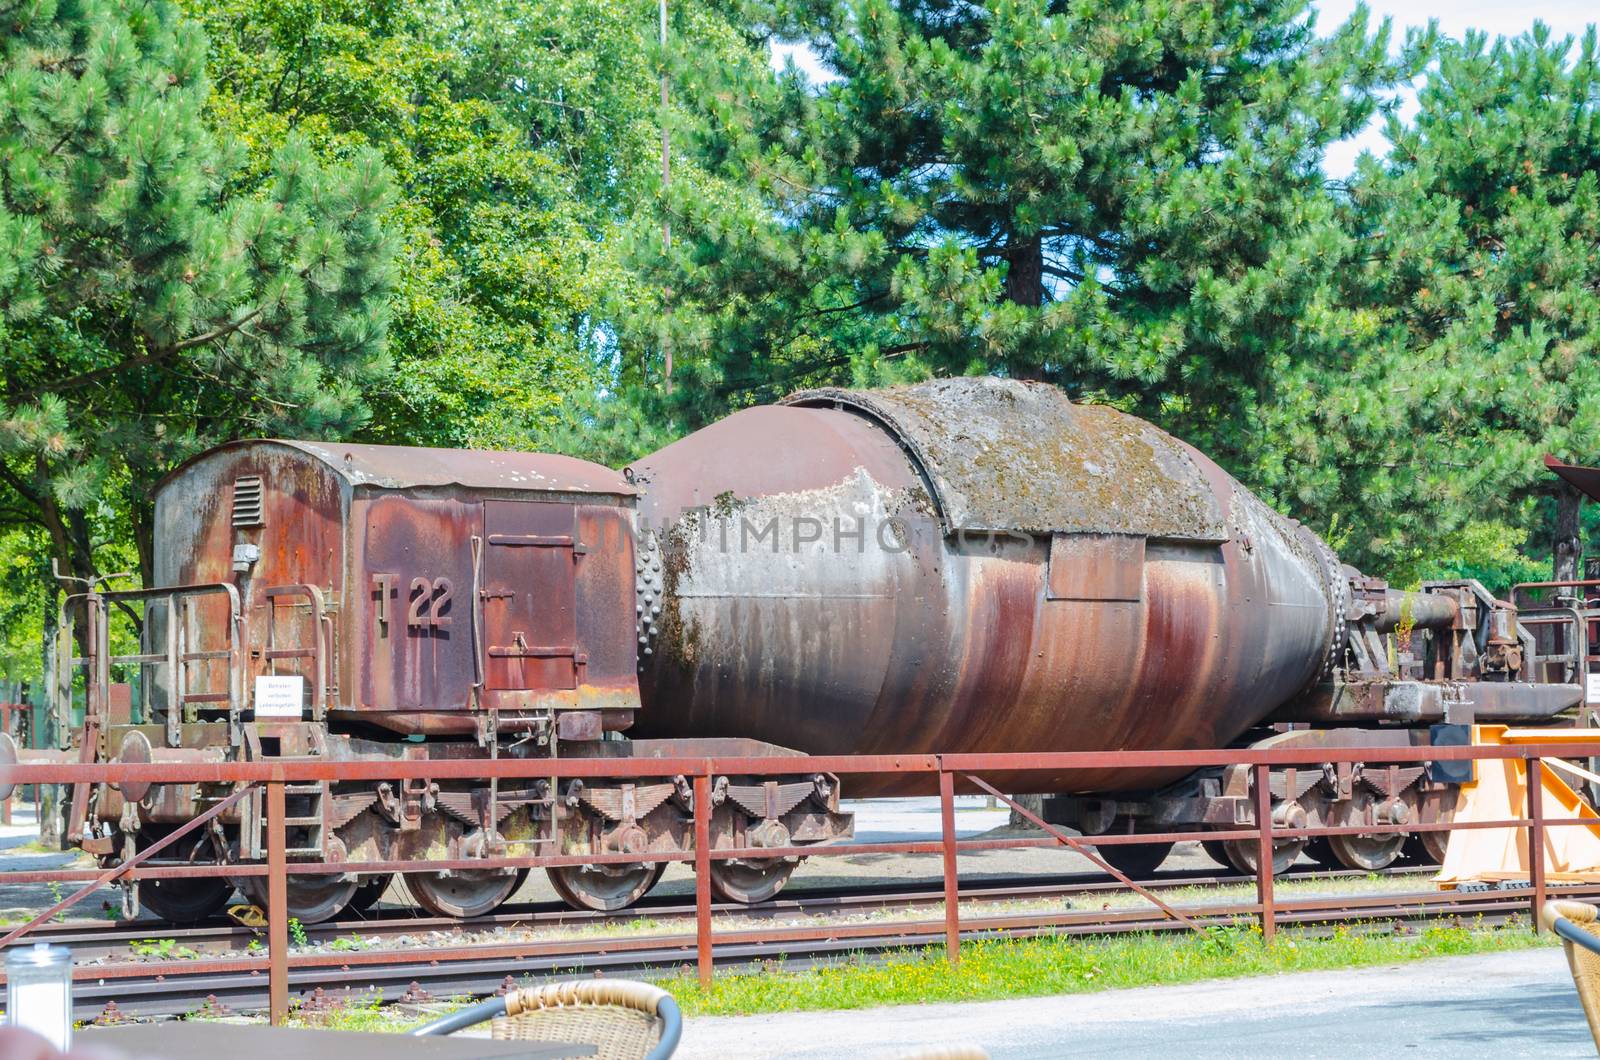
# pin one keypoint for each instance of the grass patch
(1070, 965)
(162, 950)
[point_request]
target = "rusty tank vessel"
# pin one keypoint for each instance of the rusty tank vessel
(980, 565)
(965, 565)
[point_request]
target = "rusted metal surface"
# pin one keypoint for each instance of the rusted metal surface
(952, 880)
(277, 905)
(1585, 480)
(428, 562)
(960, 566)
(1268, 783)
(310, 769)
(469, 598)
(1264, 852)
(702, 877)
(973, 565)
(1011, 456)
(1415, 702)
(108, 875)
(815, 596)
(1085, 849)
(396, 467)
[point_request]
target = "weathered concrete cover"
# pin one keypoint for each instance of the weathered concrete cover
(406, 467)
(1007, 455)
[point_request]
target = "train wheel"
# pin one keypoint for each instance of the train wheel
(1242, 854)
(185, 901)
(368, 891)
(1433, 843)
(474, 892)
(750, 881)
(1367, 853)
(1217, 851)
(604, 888)
(1136, 861)
(311, 899)
(1319, 850)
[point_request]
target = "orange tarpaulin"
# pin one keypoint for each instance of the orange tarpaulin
(1499, 792)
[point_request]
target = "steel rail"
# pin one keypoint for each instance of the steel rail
(91, 940)
(948, 772)
(177, 987)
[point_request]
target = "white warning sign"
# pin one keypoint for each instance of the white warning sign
(280, 697)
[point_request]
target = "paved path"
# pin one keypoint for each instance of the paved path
(1499, 1005)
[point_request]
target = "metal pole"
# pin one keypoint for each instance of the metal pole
(117, 870)
(277, 905)
(702, 876)
(1269, 925)
(1536, 836)
(952, 883)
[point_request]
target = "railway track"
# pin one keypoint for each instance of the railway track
(219, 986)
(229, 975)
(96, 940)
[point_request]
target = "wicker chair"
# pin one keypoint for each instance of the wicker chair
(1580, 937)
(624, 1020)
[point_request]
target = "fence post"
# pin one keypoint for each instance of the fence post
(1269, 924)
(277, 906)
(1536, 836)
(952, 883)
(702, 875)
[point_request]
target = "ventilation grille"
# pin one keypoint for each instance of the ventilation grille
(247, 501)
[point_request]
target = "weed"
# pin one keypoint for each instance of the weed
(345, 943)
(162, 949)
(297, 932)
(1055, 964)
(56, 895)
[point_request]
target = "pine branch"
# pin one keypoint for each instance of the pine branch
(84, 379)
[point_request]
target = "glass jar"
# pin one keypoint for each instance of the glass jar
(39, 991)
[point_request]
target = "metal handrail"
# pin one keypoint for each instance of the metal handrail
(951, 770)
(320, 628)
(100, 659)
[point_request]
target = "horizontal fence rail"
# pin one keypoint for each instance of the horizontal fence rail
(947, 774)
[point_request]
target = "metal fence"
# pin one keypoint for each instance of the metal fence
(948, 774)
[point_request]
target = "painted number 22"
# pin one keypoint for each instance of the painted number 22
(429, 599)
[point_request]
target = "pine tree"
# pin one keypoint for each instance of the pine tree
(1479, 284)
(152, 302)
(1120, 196)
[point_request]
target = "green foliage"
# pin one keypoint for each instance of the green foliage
(1491, 552)
(1120, 196)
(1476, 291)
(443, 223)
(154, 298)
(1072, 965)
(24, 601)
(162, 950)
(521, 137)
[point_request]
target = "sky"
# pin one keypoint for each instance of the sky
(1455, 17)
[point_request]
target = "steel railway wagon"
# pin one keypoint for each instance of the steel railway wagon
(961, 565)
